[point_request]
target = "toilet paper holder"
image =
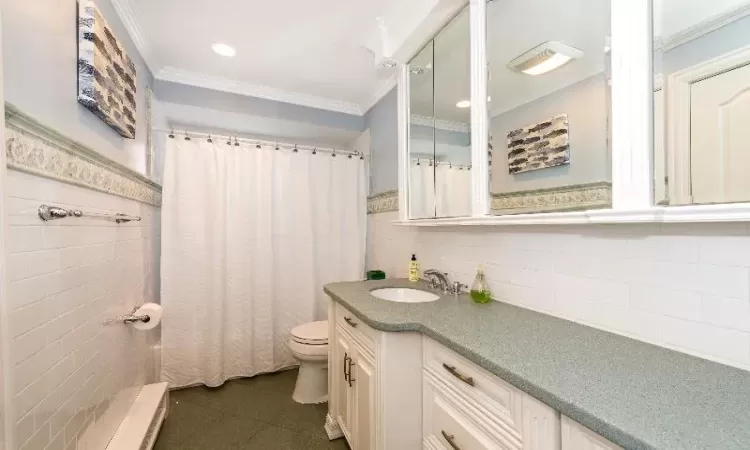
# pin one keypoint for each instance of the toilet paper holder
(132, 318)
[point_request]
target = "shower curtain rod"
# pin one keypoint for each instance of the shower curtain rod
(235, 140)
(441, 163)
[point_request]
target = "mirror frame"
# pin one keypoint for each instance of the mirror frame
(632, 133)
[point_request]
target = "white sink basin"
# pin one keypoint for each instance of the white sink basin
(404, 295)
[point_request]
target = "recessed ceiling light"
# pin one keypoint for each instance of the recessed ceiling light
(545, 58)
(463, 104)
(224, 50)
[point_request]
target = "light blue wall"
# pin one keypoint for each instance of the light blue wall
(382, 120)
(209, 99)
(41, 70)
(585, 103)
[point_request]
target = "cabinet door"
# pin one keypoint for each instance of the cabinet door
(541, 426)
(344, 398)
(577, 437)
(363, 373)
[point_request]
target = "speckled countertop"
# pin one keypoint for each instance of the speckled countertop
(637, 395)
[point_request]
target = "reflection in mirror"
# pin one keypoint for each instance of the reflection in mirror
(439, 124)
(549, 105)
(421, 135)
(701, 102)
(452, 118)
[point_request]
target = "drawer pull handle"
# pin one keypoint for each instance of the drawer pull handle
(451, 440)
(460, 376)
(346, 374)
(351, 323)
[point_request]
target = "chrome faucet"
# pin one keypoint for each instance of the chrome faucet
(438, 279)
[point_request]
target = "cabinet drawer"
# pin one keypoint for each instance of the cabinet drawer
(363, 334)
(483, 390)
(449, 423)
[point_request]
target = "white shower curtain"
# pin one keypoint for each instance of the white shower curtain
(452, 191)
(249, 238)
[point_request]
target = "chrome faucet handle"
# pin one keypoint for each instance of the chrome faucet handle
(458, 288)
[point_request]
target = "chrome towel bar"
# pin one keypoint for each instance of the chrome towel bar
(47, 213)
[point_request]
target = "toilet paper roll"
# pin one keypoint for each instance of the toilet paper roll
(153, 311)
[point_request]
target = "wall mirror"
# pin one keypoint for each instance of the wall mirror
(701, 102)
(439, 144)
(549, 105)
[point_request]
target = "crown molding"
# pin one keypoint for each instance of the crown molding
(704, 27)
(177, 75)
(381, 90)
(445, 125)
(124, 10)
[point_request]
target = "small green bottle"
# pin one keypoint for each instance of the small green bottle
(480, 291)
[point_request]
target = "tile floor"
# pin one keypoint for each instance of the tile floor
(251, 413)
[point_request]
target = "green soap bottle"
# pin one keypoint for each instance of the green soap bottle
(480, 291)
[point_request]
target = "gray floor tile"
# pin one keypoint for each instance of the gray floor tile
(250, 413)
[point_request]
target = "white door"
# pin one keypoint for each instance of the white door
(720, 137)
(344, 398)
(541, 426)
(363, 380)
(577, 437)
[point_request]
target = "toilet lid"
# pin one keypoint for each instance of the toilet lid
(313, 333)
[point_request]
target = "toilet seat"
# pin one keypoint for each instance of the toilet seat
(313, 333)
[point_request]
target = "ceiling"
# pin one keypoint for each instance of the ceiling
(321, 54)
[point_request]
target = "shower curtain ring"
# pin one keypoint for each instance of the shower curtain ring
(187, 138)
(295, 148)
(257, 145)
(277, 146)
(209, 139)
(236, 142)
(171, 134)
(315, 151)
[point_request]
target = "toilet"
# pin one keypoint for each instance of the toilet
(309, 345)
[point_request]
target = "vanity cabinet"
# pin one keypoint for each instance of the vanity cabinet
(466, 407)
(353, 366)
(403, 391)
(577, 437)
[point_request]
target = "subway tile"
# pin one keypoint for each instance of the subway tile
(726, 312)
(725, 251)
(666, 301)
(664, 248)
(32, 264)
(66, 278)
(708, 340)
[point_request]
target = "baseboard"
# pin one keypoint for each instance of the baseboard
(140, 428)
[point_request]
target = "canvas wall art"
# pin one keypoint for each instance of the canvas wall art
(538, 146)
(106, 75)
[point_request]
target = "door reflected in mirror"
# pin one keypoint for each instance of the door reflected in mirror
(439, 124)
(549, 105)
(701, 102)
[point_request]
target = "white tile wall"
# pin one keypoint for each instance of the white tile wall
(681, 286)
(74, 377)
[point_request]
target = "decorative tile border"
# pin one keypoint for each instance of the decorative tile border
(36, 149)
(567, 198)
(384, 202)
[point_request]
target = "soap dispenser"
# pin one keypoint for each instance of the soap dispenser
(413, 269)
(480, 291)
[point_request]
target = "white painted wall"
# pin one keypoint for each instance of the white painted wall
(72, 379)
(685, 287)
